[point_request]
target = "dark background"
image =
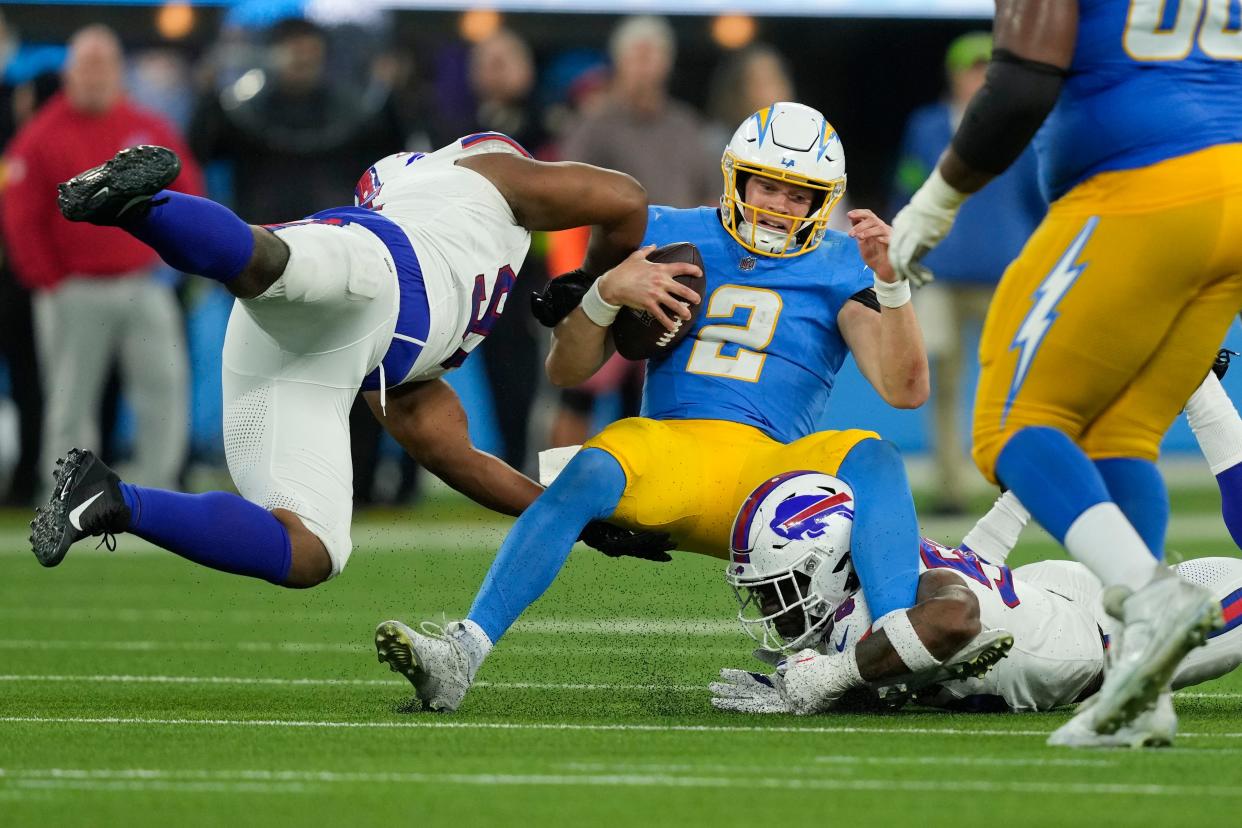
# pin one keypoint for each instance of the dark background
(864, 74)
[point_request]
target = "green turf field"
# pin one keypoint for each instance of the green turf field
(137, 689)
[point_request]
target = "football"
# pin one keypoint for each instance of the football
(638, 334)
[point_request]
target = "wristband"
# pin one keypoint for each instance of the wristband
(892, 294)
(910, 648)
(596, 309)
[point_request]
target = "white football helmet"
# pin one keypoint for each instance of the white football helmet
(789, 560)
(786, 142)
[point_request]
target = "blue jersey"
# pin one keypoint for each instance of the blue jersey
(1150, 80)
(765, 348)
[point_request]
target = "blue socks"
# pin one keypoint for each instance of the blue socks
(1051, 476)
(195, 235)
(537, 546)
(219, 530)
(1139, 491)
(1230, 482)
(885, 540)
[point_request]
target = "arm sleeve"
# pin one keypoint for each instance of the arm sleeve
(1005, 114)
(29, 211)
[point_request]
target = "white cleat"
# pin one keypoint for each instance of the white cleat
(433, 660)
(1151, 728)
(1164, 620)
(972, 661)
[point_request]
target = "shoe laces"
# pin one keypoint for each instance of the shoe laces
(433, 630)
(108, 540)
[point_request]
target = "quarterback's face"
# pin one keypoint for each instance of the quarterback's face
(768, 194)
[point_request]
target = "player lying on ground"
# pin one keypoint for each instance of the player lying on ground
(1053, 609)
(790, 571)
(729, 406)
(1109, 318)
(385, 297)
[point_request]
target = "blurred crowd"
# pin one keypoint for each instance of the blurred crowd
(104, 347)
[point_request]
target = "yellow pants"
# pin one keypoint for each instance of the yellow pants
(1112, 314)
(690, 477)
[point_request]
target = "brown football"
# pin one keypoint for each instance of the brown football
(638, 334)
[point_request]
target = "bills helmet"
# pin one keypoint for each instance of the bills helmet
(791, 143)
(789, 562)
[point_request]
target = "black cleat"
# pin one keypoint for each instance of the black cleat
(1221, 365)
(119, 190)
(86, 500)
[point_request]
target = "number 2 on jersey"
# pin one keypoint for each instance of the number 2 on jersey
(1150, 35)
(708, 356)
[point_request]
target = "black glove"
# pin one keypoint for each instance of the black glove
(616, 542)
(1221, 365)
(560, 296)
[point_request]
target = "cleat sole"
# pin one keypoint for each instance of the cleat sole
(136, 173)
(394, 648)
(49, 536)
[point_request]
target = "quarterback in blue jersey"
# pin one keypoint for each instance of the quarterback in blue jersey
(734, 404)
(1111, 316)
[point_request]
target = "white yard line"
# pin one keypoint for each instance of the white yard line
(122, 678)
(337, 682)
(624, 625)
(303, 647)
(261, 781)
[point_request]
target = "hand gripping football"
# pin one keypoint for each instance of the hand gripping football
(638, 334)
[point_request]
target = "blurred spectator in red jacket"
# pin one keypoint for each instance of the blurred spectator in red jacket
(100, 293)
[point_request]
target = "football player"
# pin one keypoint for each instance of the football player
(790, 571)
(732, 404)
(1053, 609)
(385, 296)
(1109, 318)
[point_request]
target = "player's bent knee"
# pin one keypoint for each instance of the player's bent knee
(310, 563)
(267, 263)
(873, 456)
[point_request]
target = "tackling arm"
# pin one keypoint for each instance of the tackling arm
(945, 619)
(428, 421)
(558, 196)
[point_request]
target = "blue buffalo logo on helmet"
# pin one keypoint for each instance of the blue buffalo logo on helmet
(806, 516)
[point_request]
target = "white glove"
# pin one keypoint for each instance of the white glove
(920, 226)
(744, 692)
(814, 683)
(802, 684)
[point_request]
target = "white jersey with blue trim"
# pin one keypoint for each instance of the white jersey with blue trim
(467, 240)
(1058, 649)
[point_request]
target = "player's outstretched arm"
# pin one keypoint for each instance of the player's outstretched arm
(558, 196)
(945, 619)
(428, 421)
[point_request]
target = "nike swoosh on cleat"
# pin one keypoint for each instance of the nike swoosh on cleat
(82, 507)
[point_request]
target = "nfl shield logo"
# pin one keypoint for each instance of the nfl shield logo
(747, 263)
